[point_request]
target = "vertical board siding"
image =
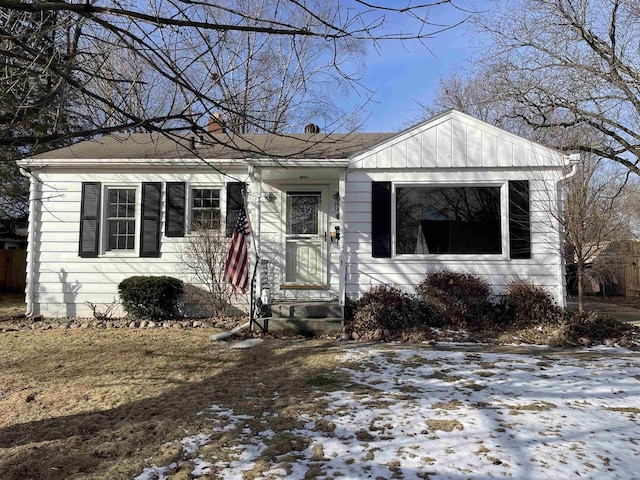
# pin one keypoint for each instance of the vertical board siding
(457, 140)
(444, 146)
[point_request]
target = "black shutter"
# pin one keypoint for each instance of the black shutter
(89, 220)
(175, 214)
(150, 220)
(381, 219)
(519, 220)
(235, 203)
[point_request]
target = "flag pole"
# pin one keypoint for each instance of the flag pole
(252, 285)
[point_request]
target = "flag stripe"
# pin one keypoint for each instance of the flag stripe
(236, 270)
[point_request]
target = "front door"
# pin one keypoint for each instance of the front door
(305, 239)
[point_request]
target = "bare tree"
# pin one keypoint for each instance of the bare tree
(595, 214)
(75, 70)
(570, 64)
(599, 198)
(173, 40)
(204, 256)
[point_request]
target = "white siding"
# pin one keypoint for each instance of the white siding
(65, 282)
(406, 271)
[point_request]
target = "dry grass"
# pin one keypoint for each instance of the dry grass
(103, 404)
(11, 305)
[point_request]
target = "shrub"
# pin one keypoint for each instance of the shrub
(385, 308)
(151, 297)
(459, 299)
(594, 326)
(525, 304)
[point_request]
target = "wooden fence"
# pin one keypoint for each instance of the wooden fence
(13, 270)
(618, 266)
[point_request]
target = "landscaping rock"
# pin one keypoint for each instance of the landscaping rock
(151, 324)
(133, 325)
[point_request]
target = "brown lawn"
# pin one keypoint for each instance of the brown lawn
(106, 403)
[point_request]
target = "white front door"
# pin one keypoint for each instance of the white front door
(305, 239)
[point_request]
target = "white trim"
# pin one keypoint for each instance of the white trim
(103, 231)
(189, 203)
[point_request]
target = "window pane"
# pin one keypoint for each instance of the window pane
(303, 214)
(205, 210)
(463, 220)
(121, 219)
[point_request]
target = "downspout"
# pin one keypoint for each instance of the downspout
(573, 159)
(342, 269)
(30, 242)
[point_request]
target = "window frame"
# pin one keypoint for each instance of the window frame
(104, 216)
(189, 205)
(504, 223)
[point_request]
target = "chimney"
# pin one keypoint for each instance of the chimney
(312, 128)
(216, 124)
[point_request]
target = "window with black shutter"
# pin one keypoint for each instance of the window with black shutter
(235, 203)
(150, 220)
(381, 219)
(175, 209)
(89, 220)
(519, 220)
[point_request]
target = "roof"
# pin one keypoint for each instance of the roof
(220, 146)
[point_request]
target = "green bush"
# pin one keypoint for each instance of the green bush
(386, 308)
(156, 298)
(525, 304)
(459, 299)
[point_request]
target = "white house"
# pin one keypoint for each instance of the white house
(332, 215)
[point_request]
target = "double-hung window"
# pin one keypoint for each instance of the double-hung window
(205, 208)
(121, 219)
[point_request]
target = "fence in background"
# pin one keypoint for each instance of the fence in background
(13, 270)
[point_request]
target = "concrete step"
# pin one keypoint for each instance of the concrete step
(306, 310)
(311, 327)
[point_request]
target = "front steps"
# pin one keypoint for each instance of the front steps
(302, 318)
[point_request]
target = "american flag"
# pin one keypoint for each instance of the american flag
(236, 270)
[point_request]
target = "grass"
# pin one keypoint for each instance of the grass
(11, 305)
(103, 404)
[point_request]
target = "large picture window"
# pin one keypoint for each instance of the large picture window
(448, 220)
(121, 219)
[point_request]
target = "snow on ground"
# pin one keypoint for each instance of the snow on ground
(453, 414)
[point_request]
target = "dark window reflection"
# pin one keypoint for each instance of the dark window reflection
(464, 220)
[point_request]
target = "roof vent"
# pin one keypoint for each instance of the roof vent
(312, 128)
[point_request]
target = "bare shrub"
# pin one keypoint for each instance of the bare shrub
(102, 312)
(204, 256)
(459, 299)
(385, 308)
(525, 304)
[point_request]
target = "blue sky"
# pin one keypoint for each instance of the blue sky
(402, 76)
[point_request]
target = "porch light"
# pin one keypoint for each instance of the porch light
(270, 197)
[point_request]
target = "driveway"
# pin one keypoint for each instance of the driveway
(620, 312)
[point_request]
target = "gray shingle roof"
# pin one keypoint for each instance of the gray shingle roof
(220, 146)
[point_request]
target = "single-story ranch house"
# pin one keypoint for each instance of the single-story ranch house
(332, 214)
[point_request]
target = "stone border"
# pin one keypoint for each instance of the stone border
(86, 323)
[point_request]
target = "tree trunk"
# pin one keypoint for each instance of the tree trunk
(580, 275)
